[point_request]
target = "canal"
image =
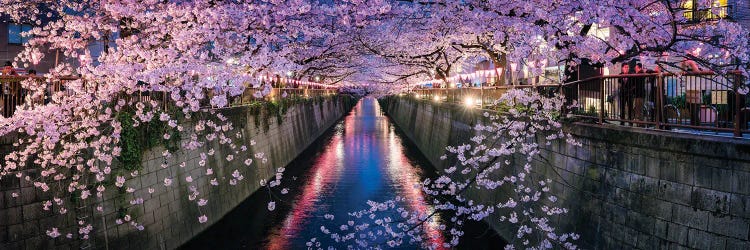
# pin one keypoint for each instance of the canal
(362, 158)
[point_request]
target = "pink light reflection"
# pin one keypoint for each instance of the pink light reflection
(325, 172)
(355, 140)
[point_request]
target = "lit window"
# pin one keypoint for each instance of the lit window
(719, 9)
(688, 6)
(697, 11)
(14, 33)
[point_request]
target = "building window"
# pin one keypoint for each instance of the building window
(14, 33)
(697, 10)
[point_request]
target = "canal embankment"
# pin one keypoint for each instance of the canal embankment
(168, 217)
(624, 187)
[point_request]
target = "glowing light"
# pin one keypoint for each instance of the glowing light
(469, 101)
(437, 98)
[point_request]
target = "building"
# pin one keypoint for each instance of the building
(11, 43)
(734, 10)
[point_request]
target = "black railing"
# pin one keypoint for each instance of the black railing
(12, 94)
(702, 101)
(480, 97)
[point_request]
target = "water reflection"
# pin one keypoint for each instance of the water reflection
(363, 158)
(363, 161)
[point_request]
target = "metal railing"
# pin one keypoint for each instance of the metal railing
(248, 96)
(480, 97)
(13, 94)
(701, 101)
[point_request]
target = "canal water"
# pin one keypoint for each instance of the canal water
(362, 158)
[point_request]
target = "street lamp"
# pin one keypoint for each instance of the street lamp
(468, 102)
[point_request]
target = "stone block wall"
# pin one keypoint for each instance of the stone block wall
(170, 219)
(625, 187)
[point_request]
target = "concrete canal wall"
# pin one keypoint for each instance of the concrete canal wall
(625, 188)
(170, 219)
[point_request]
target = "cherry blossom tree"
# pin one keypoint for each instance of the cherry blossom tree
(173, 61)
(162, 62)
(429, 38)
(537, 34)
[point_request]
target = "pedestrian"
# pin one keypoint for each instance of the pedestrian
(624, 95)
(9, 89)
(652, 97)
(638, 88)
(8, 69)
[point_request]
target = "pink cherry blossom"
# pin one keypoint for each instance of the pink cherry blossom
(54, 233)
(199, 57)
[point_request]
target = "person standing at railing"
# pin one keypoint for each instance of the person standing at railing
(8, 69)
(651, 92)
(625, 97)
(638, 88)
(8, 89)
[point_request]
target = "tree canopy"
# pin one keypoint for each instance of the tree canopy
(206, 52)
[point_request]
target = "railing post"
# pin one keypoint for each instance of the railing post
(658, 100)
(601, 101)
(737, 106)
